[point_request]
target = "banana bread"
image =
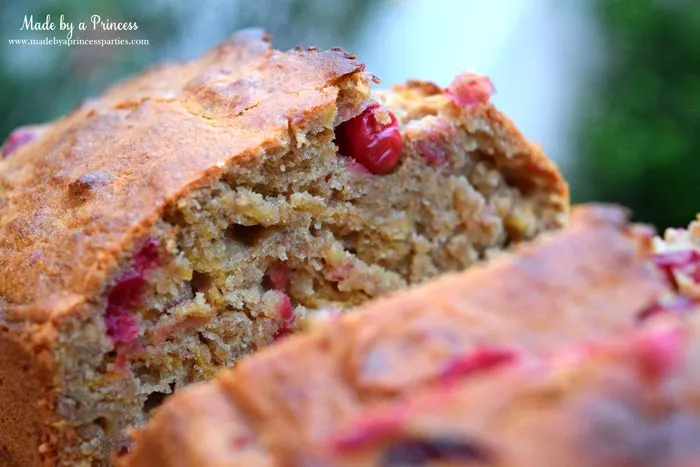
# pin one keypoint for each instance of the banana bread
(284, 405)
(201, 210)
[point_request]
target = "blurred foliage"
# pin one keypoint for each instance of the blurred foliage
(39, 83)
(640, 141)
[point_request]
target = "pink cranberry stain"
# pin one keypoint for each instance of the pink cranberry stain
(278, 276)
(678, 304)
(340, 273)
(469, 89)
(373, 139)
(240, 442)
(287, 318)
(432, 151)
(18, 138)
(659, 352)
(124, 351)
(433, 142)
(475, 361)
(686, 261)
(367, 430)
(147, 257)
(127, 292)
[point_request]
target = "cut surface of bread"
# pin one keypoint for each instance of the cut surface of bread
(201, 210)
(587, 282)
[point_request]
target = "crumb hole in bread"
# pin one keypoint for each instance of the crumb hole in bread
(201, 282)
(248, 235)
(106, 425)
(175, 217)
(154, 400)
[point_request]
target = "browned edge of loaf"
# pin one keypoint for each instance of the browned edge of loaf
(135, 147)
(567, 273)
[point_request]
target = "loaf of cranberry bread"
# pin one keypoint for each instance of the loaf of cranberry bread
(194, 213)
(282, 406)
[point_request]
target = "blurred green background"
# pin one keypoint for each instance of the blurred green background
(639, 134)
(635, 133)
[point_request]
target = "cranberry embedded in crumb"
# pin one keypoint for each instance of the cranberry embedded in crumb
(469, 89)
(287, 317)
(122, 325)
(286, 313)
(372, 138)
(147, 257)
(477, 360)
(18, 138)
(127, 292)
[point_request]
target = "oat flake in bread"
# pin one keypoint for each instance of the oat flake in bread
(328, 397)
(198, 211)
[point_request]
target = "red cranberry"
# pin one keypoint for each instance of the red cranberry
(122, 325)
(469, 89)
(127, 292)
(374, 144)
(477, 360)
(147, 257)
(287, 317)
(286, 313)
(18, 138)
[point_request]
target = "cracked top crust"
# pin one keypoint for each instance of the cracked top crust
(96, 180)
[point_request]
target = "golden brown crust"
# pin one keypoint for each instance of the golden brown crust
(20, 390)
(131, 152)
(585, 282)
